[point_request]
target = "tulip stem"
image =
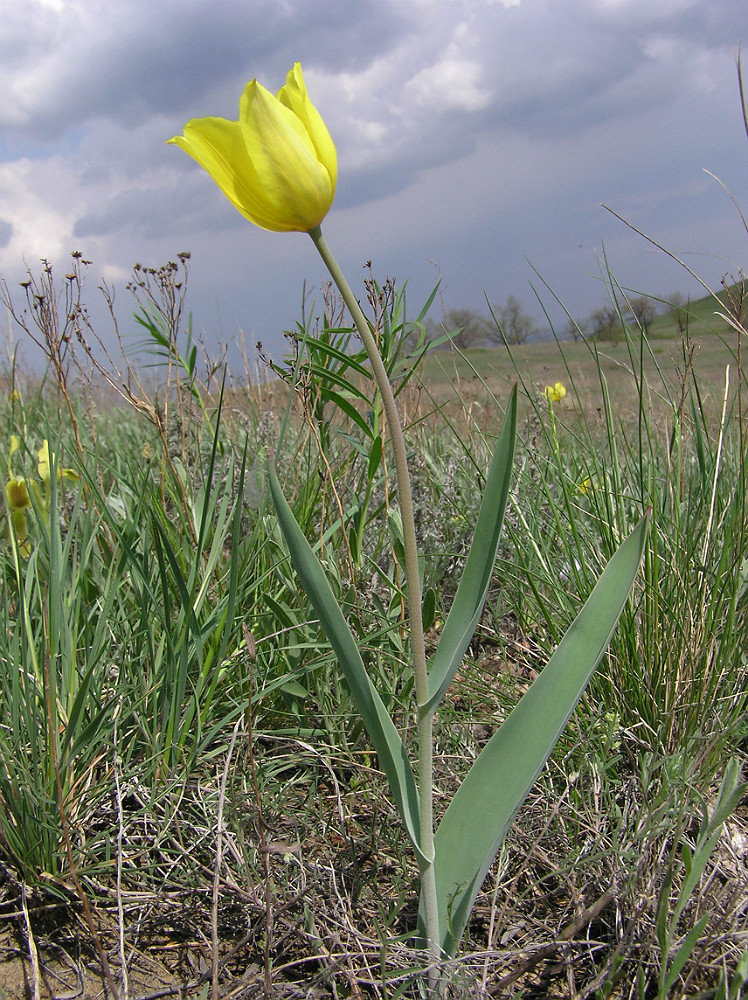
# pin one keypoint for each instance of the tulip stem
(413, 590)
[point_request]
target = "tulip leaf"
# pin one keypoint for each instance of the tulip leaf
(484, 806)
(379, 725)
(467, 606)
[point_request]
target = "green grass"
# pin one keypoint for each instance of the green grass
(179, 753)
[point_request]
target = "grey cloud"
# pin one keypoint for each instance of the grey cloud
(6, 232)
(580, 107)
(149, 213)
(126, 63)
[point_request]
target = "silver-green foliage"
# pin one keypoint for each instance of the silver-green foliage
(476, 821)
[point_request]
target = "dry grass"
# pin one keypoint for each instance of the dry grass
(473, 380)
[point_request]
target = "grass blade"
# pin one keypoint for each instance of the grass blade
(689, 943)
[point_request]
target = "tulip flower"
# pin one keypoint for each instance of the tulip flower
(555, 393)
(18, 499)
(21, 530)
(17, 491)
(277, 165)
(43, 465)
(17, 494)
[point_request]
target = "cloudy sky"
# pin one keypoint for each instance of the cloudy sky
(476, 141)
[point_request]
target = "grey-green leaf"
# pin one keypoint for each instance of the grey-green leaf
(380, 727)
(484, 807)
(467, 606)
(684, 953)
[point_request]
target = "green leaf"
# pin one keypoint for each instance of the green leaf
(740, 978)
(467, 606)
(381, 729)
(428, 608)
(689, 943)
(375, 458)
(731, 792)
(349, 409)
(484, 806)
(347, 361)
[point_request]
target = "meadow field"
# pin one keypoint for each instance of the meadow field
(189, 802)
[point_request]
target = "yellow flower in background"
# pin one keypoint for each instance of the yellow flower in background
(43, 466)
(555, 393)
(17, 491)
(42, 457)
(277, 165)
(18, 499)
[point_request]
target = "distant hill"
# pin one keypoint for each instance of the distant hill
(700, 315)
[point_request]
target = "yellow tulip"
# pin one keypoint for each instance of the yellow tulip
(17, 496)
(555, 393)
(43, 461)
(43, 466)
(17, 493)
(16, 489)
(277, 165)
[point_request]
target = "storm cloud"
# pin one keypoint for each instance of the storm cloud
(475, 139)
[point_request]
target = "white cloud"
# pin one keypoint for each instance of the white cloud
(696, 68)
(453, 82)
(41, 225)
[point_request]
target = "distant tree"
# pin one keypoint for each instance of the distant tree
(643, 310)
(577, 329)
(603, 323)
(515, 326)
(470, 328)
(679, 310)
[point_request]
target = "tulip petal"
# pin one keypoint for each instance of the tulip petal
(284, 159)
(17, 494)
(294, 96)
(43, 461)
(277, 164)
(217, 145)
